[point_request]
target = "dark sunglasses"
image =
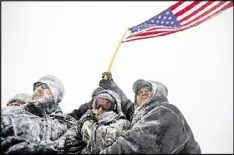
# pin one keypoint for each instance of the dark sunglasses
(105, 104)
(42, 85)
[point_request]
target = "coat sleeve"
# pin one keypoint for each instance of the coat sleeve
(127, 105)
(46, 146)
(41, 147)
(78, 113)
(160, 131)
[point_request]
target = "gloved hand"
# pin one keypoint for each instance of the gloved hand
(107, 83)
(73, 146)
(127, 105)
(109, 76)
(32, 108)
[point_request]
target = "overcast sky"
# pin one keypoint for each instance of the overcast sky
(75, 41)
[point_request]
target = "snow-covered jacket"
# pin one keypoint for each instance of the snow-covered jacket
(39, 129)
(101, 131)
(23, 97)
(157, 127)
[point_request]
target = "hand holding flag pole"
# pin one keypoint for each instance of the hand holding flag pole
(116, 51)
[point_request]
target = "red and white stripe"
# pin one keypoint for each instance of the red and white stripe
(189, 14)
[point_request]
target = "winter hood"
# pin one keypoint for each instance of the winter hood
(55, 85)
(113, 97)
(158, 93)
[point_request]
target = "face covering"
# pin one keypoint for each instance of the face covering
(107, 117)
(41, 107)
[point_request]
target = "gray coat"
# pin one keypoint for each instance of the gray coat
(39, 128)
(157, 127)
(103, 130)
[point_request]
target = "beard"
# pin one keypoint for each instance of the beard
(35, 96)
(41, 104)
(39, 96)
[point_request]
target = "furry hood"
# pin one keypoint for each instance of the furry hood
(114, 97)
(158, 93)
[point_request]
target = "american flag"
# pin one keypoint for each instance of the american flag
(178, 17)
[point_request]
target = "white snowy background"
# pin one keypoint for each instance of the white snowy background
(75, 42)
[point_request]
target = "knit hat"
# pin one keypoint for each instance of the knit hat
(55, 85)
(105, 96)
(140, 84)
(21, 97)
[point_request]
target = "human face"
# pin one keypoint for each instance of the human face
(103, 105)
(42, 91)
(143, 94)
(16, 103)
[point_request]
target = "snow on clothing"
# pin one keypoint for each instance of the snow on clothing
(157, 127)
(21, 97)
(101, 131)
(126, 104)
(78, 113)
(55, 85)
(40, 123)
(40, 133)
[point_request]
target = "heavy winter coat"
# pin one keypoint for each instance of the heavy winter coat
(39, 130)
(101, 131)
(157, 127)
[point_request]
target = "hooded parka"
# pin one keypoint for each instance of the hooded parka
(157, 127)
(101, 131)
(39, 123)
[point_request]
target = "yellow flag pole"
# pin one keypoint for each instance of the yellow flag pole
(116, 51)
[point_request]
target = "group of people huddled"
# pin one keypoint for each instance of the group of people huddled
(109, 123)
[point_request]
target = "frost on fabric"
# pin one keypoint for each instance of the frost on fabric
(157, 127)
(55, 85)
(35, 130)
(102, 132)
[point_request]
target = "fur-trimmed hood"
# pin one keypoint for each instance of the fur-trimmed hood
(116, 98)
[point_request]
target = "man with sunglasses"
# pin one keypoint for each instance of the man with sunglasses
(157, 127)
(101, 126)
(36, 127)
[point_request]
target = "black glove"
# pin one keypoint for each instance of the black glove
(73, 146)
(109, 76)
(32, 108)
(107, 83)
